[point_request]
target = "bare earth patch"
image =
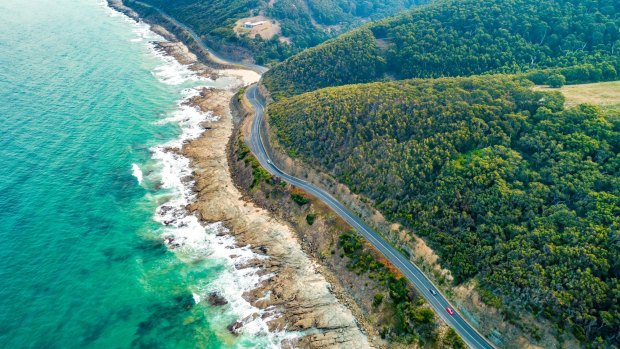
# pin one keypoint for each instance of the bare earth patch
(285, 40)
(266, 29)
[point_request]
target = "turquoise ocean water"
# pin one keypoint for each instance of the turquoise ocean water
(87, 112)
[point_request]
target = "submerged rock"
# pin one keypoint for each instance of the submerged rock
(235, 327)
(185, 302)
(216, 299)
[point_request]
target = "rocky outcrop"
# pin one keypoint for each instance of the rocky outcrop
(295, 289)
(216, 299)
(296, 296)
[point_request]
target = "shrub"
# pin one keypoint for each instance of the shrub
(259, 173)
(299, 197)
(377, 299)
(556, 80)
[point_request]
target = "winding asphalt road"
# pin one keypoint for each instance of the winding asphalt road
(422, 283)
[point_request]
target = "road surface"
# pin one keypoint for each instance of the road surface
(422, 283)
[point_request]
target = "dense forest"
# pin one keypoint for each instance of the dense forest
(468, 37)
(305, 22)
(506, 185)
(359, 46)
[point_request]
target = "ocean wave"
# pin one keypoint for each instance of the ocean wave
(183, 233)
(172, 72)
(136, 171)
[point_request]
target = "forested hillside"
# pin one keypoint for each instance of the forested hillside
(468, 37)
(506, 185)
(359, 46)
(305, 22)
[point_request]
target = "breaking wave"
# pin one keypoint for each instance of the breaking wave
(182, 232)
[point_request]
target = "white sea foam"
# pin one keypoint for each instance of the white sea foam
(143, 32)
(108, 10)
(172, 72)
(189, 118)
(192, 241)
(136, 171)
(183, 232)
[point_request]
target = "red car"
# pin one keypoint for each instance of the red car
(450, 310)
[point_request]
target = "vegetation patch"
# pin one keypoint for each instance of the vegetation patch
(258, 172)
(576, 74)
(310, 217)
(299, 197)
(307, 71)
(577, 39)
(414, 320)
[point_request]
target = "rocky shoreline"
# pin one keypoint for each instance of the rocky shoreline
(294, 297)
(294, 289)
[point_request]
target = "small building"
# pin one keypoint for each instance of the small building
(250, 25)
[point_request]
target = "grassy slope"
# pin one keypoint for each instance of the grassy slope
(605, 94)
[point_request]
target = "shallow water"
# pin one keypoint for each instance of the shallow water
(89, 191)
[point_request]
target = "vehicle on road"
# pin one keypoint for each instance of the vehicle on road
(433, 292)
(473, 339)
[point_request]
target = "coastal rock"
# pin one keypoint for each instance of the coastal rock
(295, 291)
(216, 299)
(235, 327)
